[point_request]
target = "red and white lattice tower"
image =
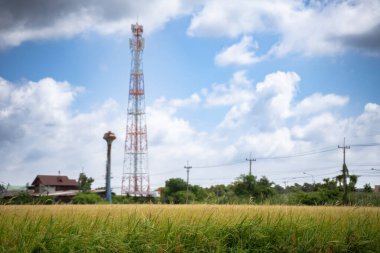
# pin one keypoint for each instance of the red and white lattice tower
(135, 179)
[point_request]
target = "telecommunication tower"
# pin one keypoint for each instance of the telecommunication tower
(135, 178)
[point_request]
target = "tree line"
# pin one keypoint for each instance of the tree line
(248, 189)
(245, 189)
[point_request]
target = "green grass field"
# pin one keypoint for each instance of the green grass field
(192, 228)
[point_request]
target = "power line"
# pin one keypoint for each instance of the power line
(163, 173)
(366, 145)
(327, 149)
(313, 152)
(297, 155)
(218, 165)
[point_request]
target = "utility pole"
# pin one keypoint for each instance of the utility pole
(250, 163)
(345, 172)
(187, 181)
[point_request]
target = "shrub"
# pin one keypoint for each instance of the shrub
(87, 198)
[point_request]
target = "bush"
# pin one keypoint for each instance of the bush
(310, 199)
(21, 199)
(87, 198)
(44, 200)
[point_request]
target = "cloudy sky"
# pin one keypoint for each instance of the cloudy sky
(285, 80)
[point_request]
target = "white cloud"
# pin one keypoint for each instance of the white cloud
(263, 121)
(26, 21)
(226, 18)
(193, 100)
(40, 133)
(239, 90)
(239, 94)
(318, 102)
(312, 28)
(274, 98)
(315, 28)
(367, 123)
(266, 144)
(276, 94)
(316, 129)
(238, 54)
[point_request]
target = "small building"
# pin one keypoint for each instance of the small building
(44, 184)
(377, 188)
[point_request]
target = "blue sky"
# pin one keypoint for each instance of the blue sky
(222, 80)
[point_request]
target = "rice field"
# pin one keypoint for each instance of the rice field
(188, 228)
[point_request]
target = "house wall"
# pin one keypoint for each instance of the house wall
(65, 188)
(46, 189)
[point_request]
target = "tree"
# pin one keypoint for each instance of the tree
(279, 189)
(306, 187)
(174, 185)
(181, 196)
(244, 185)
(219, 190)
(368, 188)
(199, 192)
(85, 182)
(339, 180)
(353, 181)
(173, 191)
(329, 189)
(264, 188)
(248, 186)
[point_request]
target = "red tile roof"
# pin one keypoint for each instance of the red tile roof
(54, 180)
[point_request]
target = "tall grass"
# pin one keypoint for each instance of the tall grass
(188, 228)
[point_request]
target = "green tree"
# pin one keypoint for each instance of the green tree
(339, 180)
(219, 190)
(306, 187)
(173, 185)
(329, 189)
(279, 189)
(85, 182)
(368, 188)
(264, 188)
(244, 185)
(352, 183)
(199, 192)
(180, 197)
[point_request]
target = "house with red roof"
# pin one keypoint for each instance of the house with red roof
(45, 184)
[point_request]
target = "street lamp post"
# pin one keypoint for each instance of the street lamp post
(109, 137)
